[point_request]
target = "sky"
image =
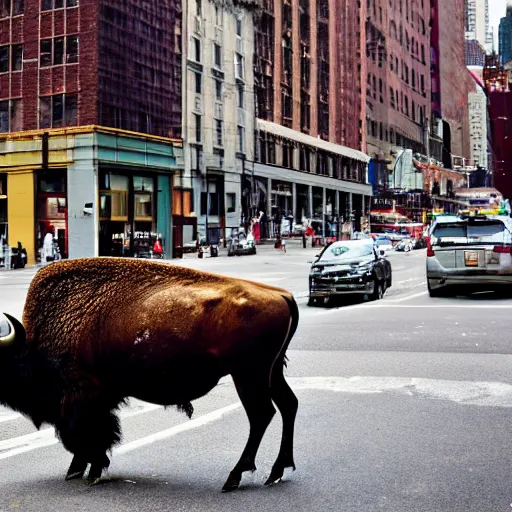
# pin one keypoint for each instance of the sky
(496, 11)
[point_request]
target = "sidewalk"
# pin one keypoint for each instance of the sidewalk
(293, 246)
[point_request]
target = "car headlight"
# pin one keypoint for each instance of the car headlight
(363, 269)
(316, 271)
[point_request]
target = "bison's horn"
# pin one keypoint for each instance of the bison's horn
(7, 330)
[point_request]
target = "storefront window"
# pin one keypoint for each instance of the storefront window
(127, 213)
(143, 196)
(52, 181)
(114, 198)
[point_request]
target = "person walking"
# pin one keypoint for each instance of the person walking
(47, 251)
(158, 250)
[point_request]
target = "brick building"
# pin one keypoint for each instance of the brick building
(398, 80)
(82, 62)
(454, 81)
(310, 99)
(78, 63)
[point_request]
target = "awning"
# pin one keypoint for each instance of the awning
(288, 133)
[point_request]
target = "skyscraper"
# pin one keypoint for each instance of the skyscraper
(505, 37)
(477, 22)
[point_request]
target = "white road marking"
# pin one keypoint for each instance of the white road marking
(484, 394)
(182, 427)
(410, 297)
(46, 437)
(8, 416)
(440, 305)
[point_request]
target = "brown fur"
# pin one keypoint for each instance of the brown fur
(161, 333)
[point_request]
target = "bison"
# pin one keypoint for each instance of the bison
(99, 330)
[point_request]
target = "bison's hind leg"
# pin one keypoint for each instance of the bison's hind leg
(88, 431)
(287, 403)
(254, 393)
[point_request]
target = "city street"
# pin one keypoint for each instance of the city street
(404, 406)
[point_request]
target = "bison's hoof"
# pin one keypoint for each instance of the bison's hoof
(75, 476)
(76, 469)
(93, 482)
(231, 485)
(276, 475)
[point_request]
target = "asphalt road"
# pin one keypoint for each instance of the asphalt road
(404, 406)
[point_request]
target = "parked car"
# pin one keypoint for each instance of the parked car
(384, 243)
(405, 245)
(349, 267)
(475, 252)
(240, 245)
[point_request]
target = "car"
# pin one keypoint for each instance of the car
(474, 252)
(384, 243)
(240, 245)
(349, 268)
(405, 245)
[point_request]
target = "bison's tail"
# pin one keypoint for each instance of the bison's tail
(281, 358)
(294, 312)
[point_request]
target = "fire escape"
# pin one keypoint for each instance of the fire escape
(264, 62)
(323, 68)
(305, 66)
(287, 64)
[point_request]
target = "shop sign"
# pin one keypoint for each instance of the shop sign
(146, 234)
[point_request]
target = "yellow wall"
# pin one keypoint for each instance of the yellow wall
(20, 212)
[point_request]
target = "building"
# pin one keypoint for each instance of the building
(476, 20)
(310, 95)
(478, 123)
(218, 114)
(451, 84)
(398, 82)
(90, 105)
(497, 82)
(505, 37)
(475, 53)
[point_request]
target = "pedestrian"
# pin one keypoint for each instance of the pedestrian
(158, 250)
(283, 245)
(47, 252)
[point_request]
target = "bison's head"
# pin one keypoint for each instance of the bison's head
(11, 331)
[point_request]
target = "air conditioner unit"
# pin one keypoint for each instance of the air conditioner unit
(268, 70)
(239, 45)
(219, 111)
(197, 24)
(241, 116)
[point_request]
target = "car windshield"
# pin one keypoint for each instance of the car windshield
(465, 233)
(347, 252)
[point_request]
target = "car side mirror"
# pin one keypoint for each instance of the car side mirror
(382, 253)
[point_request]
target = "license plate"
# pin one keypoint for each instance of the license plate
(471, 259)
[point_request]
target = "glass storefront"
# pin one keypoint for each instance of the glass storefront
(51, 209)
(127, 214)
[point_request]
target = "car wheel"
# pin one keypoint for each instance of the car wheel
(378, 292)
(436, 292)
